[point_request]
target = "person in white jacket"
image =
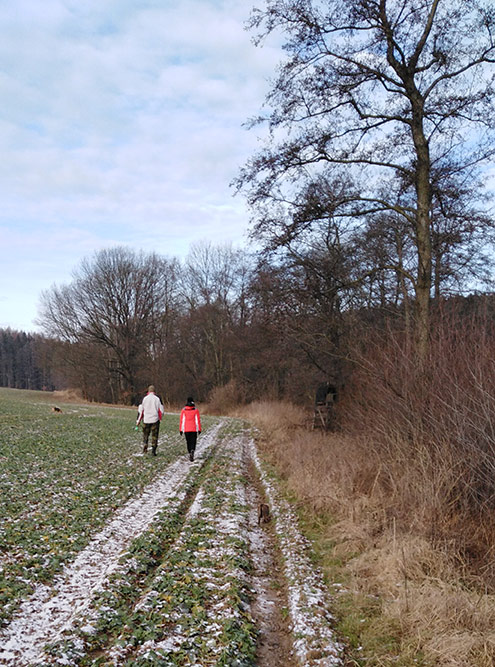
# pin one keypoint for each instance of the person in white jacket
(150, 412)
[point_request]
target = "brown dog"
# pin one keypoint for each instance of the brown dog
(55, 409)
(263, 513)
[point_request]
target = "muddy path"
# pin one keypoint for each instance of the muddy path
(275, 644)
(184, 575)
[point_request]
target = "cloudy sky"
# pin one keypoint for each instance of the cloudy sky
(121, 124)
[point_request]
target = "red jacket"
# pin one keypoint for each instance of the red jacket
(189, 419)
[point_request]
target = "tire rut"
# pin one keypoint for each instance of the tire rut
(52, 609)
(274, 645)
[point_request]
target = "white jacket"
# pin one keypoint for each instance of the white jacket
(151, 409)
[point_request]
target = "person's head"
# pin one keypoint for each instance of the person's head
(151, 388)
(190, 400)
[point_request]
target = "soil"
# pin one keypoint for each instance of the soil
(274, 642)
(288, 605)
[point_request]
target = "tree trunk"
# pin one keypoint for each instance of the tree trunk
(423, 231)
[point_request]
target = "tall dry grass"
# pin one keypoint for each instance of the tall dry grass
(428, 594)
(409, 481)
(225, 399)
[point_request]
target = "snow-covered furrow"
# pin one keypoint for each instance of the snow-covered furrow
(314, 640)
(212, 569)
(51, 610)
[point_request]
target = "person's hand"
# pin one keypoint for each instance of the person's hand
(199, 431)
(180, 432)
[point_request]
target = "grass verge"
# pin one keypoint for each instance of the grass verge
(401, 598)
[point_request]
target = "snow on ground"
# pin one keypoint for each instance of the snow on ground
(51, 609)
(315, 642)
(211, 554)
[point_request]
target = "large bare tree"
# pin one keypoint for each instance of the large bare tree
(116, 302)
(393, 98)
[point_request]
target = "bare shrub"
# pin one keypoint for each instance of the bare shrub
(69, 395)
(431, 432)
(225, 399)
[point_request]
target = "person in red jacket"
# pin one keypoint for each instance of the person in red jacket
(190, 425)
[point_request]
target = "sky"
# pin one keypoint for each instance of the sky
(122, 122)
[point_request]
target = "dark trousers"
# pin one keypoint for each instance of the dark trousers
(191, 438)
(154, 428)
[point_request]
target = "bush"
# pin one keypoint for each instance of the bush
(226, 399)
(431, 431)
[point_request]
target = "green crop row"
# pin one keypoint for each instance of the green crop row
(62, 476)
(181, 593)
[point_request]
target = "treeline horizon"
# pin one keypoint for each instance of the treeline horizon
(21, 361)
(220, 319)
(223, 324)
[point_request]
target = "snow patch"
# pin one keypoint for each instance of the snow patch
(51, 610)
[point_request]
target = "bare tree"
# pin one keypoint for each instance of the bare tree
(392, 98)
(213, 274)
(115, 302)
(213, 285)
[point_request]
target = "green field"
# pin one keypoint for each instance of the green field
(61, 478)
(167, 581)
(178, 592)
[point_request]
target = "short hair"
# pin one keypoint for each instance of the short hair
(151, 388)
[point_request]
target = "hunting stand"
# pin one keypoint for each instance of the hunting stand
(324, 412)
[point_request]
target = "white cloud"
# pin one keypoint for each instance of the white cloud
(120, 123)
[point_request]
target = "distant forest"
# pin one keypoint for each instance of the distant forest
(224, 326)
(22, 362)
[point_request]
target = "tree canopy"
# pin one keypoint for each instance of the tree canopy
(383, 110)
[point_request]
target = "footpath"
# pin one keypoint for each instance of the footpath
(184, 575)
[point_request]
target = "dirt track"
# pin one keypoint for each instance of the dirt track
(183, 574)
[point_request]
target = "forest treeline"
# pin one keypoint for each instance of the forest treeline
(22, 363)
(221, 320)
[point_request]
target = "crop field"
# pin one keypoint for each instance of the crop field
(112, 557)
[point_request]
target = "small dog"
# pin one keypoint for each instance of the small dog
(263, 513)
(55, 409)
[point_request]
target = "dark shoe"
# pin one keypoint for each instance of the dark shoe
(191, 456)
(153, 450)
(145, 448)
